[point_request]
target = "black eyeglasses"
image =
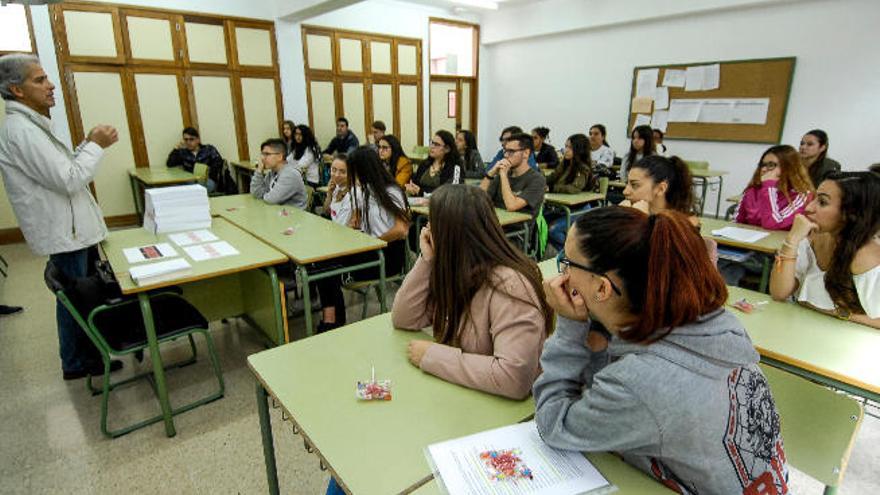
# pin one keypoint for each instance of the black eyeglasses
(509, 152)
(563, 264)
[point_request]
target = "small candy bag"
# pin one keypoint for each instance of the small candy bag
(505, 464)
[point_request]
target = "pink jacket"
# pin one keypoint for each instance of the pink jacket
(501, 340)
(767, 207)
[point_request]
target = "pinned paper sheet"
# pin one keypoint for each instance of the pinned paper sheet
(659, 120)
(192, 237)
(641, 104)
(661, 98)
(642, 119)
(147, 253)
(674, 78)
(210, 251)
(711, 76)
(741, 235)
(646, 82)
(703, 77)
(718, 111)
(750, 111)
(558, 472)
(694, 78)
(684, 110)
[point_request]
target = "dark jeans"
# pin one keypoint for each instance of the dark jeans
(330, 289)
(76, 350)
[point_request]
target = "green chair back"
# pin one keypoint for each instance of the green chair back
(419, 152)
(310, 195)
(603, 185)
(697, 165)
(200, 170)
(819, 425)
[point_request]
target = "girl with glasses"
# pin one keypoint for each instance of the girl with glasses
(676, 390)
(780, 189)
(481, 295)
(443, 166)
(394, 159)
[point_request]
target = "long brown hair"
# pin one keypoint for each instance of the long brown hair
(667, 276)
(469, 244)
(679, 182)
(860, 213)
(792, 173)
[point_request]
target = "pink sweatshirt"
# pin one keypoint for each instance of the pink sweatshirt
(501, 340)
(767, 207)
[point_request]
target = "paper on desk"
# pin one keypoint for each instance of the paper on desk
(661, 98)
(641, 104)
(659, 120)
(741, 235)
(147, 253)
(674, 78)
(210, 251)
(646, 81)
(556, 472)
(192, 237)
(642, 119)
(157, 272)
(684, 110)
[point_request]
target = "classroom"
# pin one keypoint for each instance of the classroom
(445, 246)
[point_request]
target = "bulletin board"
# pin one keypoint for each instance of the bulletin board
(740, 82)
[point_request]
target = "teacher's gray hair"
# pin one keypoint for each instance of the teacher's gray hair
(13, 71)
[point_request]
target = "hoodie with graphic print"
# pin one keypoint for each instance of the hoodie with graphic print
(693, 409)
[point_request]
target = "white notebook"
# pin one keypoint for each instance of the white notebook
(159, 272)
(738, 234)
(461, 470)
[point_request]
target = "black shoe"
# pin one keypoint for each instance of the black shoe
(94, 369)
(326, 327)
(10, 310)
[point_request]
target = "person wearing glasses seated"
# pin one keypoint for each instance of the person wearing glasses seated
(505, 136)
(190, 151)
(443, 166)
(275, 180)
(394, 159)
(676, 389)
(512, 184)
(830, 259)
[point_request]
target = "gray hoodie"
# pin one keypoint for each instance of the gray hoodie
(693, 410)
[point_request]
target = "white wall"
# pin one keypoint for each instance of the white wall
(571, 80)
(387, 17)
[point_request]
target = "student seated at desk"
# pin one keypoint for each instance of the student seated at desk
(305, 155)
(830, 260)
(600, 153)
(673, 384)
(641, 145)
(545, 154)
(657, 183)
(814, 155)
(480, 294)
(394, 159)
(345, 140)
(443, 166)
(380, 209)
(287, 130)
(276, 181)
(505, 136)
(190, 151)
(658, 143)
(466, 142)
(575, 175)
(512, 184)
(337, 202)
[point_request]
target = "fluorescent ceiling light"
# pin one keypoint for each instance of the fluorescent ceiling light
(481, 4)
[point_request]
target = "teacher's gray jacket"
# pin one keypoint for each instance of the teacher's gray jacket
(48, 184)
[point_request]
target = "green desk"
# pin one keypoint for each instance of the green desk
(473, 182)
(142, 178)
(243, 171)
(569, 201)
(314, 239)
(704, 178)
(370, 447)
(617, 183)
(766, 247)
(505, 218)
(819, 347)
(247, 281)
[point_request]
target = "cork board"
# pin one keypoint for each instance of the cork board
(762, 78)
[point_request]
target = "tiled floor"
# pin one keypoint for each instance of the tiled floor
(50, 441)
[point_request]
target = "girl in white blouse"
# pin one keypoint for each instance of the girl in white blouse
(829, 260)
(305, 155)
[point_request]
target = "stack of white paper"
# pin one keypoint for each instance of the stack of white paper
(462, 471)
(158, 272)
(172, 209)
(202, 252)
(741, 235)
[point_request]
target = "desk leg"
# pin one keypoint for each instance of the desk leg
(307, 299)
(765, 274)
(280, 316)
(135, 193)
(718, 199)
(158, 368)
(705, 183)
(268, 441)
(382, 304)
